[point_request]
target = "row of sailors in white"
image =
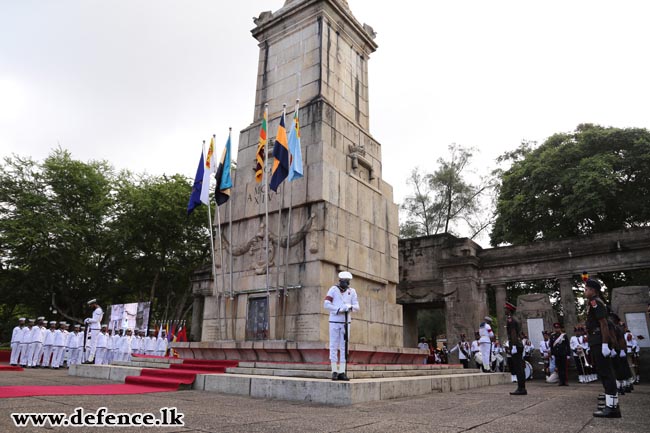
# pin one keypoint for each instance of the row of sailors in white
(34, 345)
(120, 347)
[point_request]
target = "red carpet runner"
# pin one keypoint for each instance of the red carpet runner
(150, 380)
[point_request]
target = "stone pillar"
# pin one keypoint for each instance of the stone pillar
(568, 303)
(410, 329)
(500, 295)
(197, 318)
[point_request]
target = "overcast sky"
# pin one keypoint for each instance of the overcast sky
(141, 83)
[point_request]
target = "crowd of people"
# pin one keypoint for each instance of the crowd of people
(603, 348)
(37, 343)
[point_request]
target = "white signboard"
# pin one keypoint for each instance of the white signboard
(129, 316)
(535, 328)
(638, 325)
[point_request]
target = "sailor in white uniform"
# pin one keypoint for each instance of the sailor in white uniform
(94, 325)
(101, 346)
(58, 345)
(15, 341)
(36, 346)
(161, 344)
(485, 342)
(25, 343)
(75, 342)
(340, 299)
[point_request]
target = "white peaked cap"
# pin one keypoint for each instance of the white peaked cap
(345, 276)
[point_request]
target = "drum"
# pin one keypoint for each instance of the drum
(478, 358)
(528, 370)
(553, 378)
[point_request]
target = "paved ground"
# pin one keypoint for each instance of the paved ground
(547, 408)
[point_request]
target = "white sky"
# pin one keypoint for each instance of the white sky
(141, 83)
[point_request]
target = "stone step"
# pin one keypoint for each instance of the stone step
(351, 367)
(141, 364)
(165, 360)
(352, 374)
(337, 393)
(115, 373)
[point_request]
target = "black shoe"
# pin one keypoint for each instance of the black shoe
(627, 388)
(621, 391)
(608, 412)
(335, 376)
(519, 391)
(343, 377)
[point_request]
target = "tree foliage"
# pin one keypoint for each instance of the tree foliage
(445, 201)
(591, 180)
(71, 230)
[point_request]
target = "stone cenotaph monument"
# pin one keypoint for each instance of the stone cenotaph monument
(342, 212)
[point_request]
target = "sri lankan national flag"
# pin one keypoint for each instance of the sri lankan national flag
(261, 148)
(281, 157)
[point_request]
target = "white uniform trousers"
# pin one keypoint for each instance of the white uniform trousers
(15, 353)
(56, 354)
(73, 356)
(485, 354)
(159, 353)
(23, 348)
(91, 346)
(35, 349)
(47, 354)
(100, 355)
(62, 356)
(337, 344)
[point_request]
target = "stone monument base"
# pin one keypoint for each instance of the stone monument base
(290, 351)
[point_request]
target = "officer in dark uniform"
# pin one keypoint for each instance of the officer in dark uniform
(599, 345)
(513, 329)
(561, 350)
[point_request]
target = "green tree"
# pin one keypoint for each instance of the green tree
(159, 245)
(592, 180)
(445, 201)
(71, 230)
(52, 232)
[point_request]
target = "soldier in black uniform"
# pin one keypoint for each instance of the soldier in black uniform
(513, 329)
(599, 345)
(561, 350)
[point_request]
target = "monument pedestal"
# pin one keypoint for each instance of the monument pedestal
(289, 351)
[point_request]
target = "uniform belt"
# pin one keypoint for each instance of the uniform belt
(342, 323)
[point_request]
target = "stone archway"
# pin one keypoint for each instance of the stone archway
(457, 271)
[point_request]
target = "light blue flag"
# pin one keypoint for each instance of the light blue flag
(295, 168)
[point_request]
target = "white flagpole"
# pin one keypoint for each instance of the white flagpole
(214, 265)
(280, 205)
(232, 290)
(223, 269)
(266, 214)
(286, 260)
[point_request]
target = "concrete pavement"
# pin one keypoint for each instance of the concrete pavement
(547, 408)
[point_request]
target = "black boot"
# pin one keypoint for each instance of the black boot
(343, 376)
(608, 412)
(519, 391)
(335, 375)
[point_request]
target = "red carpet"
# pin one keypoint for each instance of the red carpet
(10, 368)
(118, 388)
(150, 380)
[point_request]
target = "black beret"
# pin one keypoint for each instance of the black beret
(593, 284)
